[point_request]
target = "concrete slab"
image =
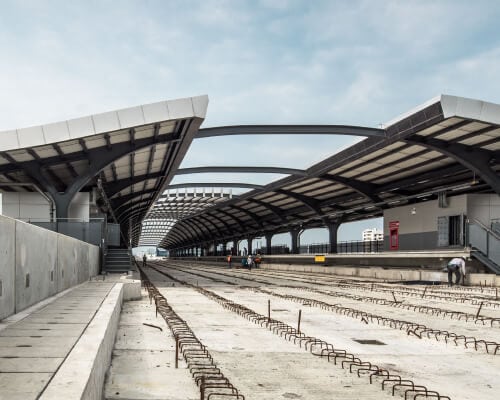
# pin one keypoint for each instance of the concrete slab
(56, 318)
(81, 376)
(260, 364)
(29, 341)
(45, 352)
(30, 364)
(61, 328)
(143, 363)
(12, 319)
(238, 347)
(22, 386)
(34, 345)
(281, 375)
(44, 332)
(149, 375)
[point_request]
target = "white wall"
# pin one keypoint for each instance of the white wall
(426, 215)
(80, 206)
(28, 206)
(483, 207)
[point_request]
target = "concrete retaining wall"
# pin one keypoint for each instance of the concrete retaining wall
(36, 263)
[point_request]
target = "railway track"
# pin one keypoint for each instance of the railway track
(412, 328)
(388, 381)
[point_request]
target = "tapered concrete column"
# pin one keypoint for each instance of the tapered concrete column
(294, 233)
(250, 240)
(235, 246)
(333, 227)
(269, 238)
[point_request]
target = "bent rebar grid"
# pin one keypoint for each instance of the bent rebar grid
(211, 381)
(319, 347)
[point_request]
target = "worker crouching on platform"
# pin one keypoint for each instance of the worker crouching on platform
(457, 266)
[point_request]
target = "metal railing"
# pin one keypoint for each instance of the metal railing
(485, 240)
(495, 225)
(372, 246)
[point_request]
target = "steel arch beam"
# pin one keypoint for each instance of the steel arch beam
(99, 158)
(114, 188)
(236, 219)
(412, 180)
(253, 217)
(192, 230)
(200, 227)
(173, 234)
(475, 159)
(309, 202)
(209, 222)
(289, 130)
(253, 170)
(365, 189)
(181, 238)
(275, 210)
(132, 210)
(213, 184)
(229, 230)
(122, 201)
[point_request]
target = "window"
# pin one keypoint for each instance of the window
(454, 230)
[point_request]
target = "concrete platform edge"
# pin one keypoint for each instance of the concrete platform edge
(388, 274)
(82, 374)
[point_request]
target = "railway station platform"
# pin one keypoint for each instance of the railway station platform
(425, 266)
(60, 347)
(304, 335)
(201, 330)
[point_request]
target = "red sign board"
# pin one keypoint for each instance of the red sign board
(394, 235)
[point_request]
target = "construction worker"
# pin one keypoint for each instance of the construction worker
(457, 266)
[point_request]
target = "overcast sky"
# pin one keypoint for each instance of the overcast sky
(260, 62)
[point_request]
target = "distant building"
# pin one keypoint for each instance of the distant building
(372, 234)
(161, 252)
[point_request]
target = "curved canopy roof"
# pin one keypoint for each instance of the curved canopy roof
(449, 145)
(130, 155)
